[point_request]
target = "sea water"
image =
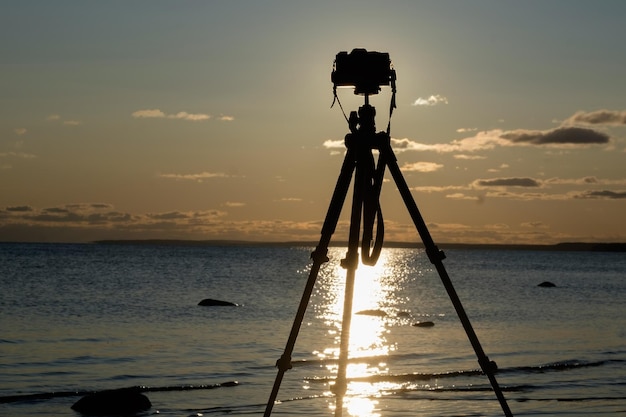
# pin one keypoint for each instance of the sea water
(88, 317)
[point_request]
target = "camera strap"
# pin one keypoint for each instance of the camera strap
(372, 213)
(336, 99)
(392, 102)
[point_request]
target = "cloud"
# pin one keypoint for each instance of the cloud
(188, 116)
(534, 225)
(573, 181)
(22, 209)
(562, 137)
(559, 136)
(85, 222)
(498, 169)
(497, 188)
(438, 189)
(585, 181)
(55, 117)
(158, 114)
(468, 157)
(234, 204)
(430, 101)
(603, 194)
(333, 144)
(481, 141)
(89, 222)
(599, 117)
(507, 182)
(17, 155)
(19, 131)
(172, 215)
(88, 215)
(56, 210)
(460, 196)
(422, 166)
(225, 118)
(194, 177)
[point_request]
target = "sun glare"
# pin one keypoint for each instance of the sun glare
(375, 310)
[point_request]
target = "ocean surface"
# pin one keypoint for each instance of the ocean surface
(88, 317)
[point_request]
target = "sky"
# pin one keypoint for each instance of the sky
(213, 120)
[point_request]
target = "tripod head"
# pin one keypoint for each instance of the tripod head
(363, 121)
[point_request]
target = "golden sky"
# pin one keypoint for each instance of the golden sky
(212, 120)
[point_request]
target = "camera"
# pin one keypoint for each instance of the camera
(364, 70)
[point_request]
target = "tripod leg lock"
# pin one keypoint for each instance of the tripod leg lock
(488, 366)
(435, 255)
(320, 256)
(340, 387)
(284, 363)
(351, 261)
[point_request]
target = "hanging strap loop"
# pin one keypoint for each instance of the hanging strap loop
(372, 213)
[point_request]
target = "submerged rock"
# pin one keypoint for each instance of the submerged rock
(547, 284)
(117, 401)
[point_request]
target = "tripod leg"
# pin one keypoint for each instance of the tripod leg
(436, 257)
(350, 263)
(319, 257)
(341, 382)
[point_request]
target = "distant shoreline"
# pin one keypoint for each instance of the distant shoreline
(565, 246)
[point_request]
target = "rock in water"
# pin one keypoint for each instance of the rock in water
(377, 313)
(219, 303)
(423, 324)
(547, 284)
(117, 401)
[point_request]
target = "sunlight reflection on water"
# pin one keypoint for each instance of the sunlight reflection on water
(375, 307)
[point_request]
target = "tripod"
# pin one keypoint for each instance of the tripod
(359, 160)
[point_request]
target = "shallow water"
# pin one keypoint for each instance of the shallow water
(79, 318)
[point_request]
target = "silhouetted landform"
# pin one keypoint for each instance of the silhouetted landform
(566, 246)
(209, 302)
(117, 401)
(547, 284)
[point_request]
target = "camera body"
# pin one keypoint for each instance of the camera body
(364, 70)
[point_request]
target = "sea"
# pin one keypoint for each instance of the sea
(81, 318)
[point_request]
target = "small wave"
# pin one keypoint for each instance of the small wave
(558, 366)
(361, 359)
(141, 388)
(579, 399)
(411, 377)
(402, 377)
